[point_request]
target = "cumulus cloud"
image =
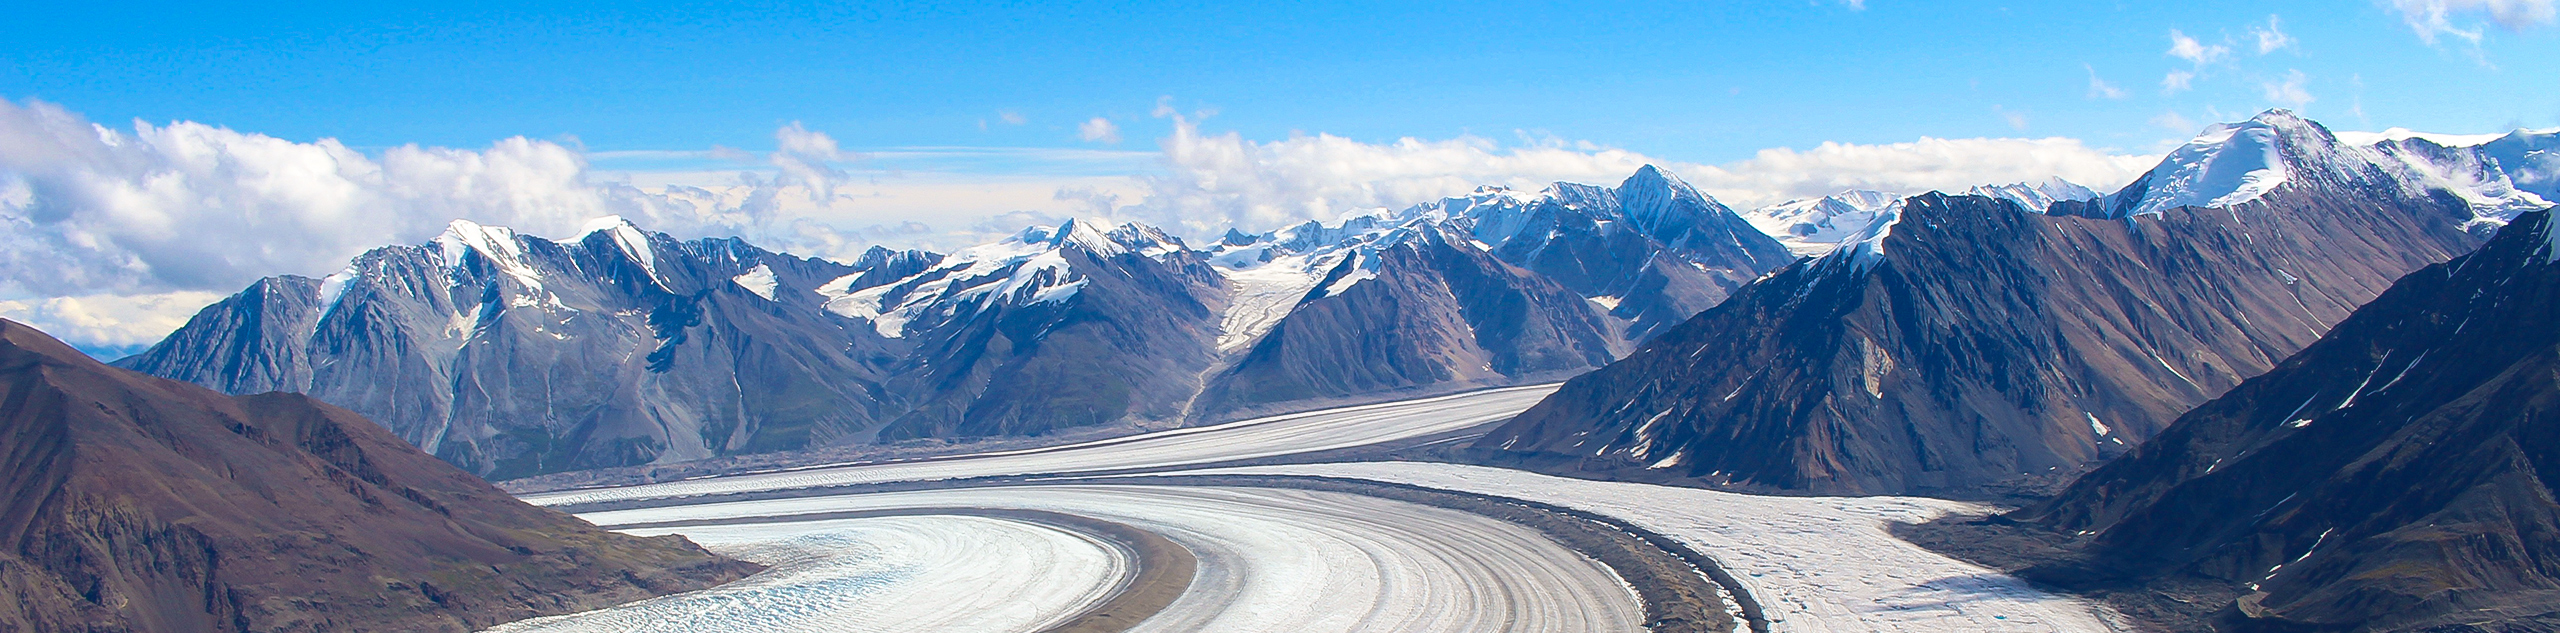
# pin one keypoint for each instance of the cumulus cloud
(109, 325)
(1220, 180)
(2195, 52)
(2288, 92)
(2099, 88)
(163, 210)
(2272, 38)
(1010, 117)
(1099, 130)
(1928, 164)
(2432, 19)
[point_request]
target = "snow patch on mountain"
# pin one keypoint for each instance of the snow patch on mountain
(634, 243)
(1027, 269)
(2232, 164)
(758, 280)
(1814, 226)
(2038, 196)
(2229, 164)
(496, 245)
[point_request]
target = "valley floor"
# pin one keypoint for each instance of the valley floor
(1273, 558)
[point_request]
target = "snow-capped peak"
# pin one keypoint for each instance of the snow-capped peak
(2036, 196)
(2234, 164)
(1812, 226)
(633, 242)
(1654, 199)
(1088, 235)
(496, 245)
(2227, 164)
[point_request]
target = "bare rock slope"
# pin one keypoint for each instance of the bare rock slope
(134, 503)
(1967, 342)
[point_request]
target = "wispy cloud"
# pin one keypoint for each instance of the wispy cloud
(1099, 130)
(2017, 120)
(2290, 91)
(2099, 88)
(2173, 122)
(2177, 81)
(2272, 38)
(2433, 19)
(2195, 51)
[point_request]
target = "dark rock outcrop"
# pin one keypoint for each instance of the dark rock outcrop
(134, 503)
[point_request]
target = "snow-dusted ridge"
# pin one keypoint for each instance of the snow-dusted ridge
(2233, 164)
(1031, 267)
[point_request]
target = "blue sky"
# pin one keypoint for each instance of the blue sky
(1704, 82)
(155, 157)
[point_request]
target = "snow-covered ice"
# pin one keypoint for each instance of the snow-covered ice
(1260, 437)
(1285, 560)
(886, 574)
(1815, 563)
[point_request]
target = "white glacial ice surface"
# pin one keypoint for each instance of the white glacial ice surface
(1261, 437)
(905, 573)
(1815, 563)
(1265, 292)
(1283, 560)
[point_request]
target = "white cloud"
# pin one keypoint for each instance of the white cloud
(86, 210)
(2099, 88)
(2198, 53)
(2177, 81)
(1775, 175)
(2272, 37)
(2289, 92)
(110, 237)
(1222, 180)
(1099, 130)
(2017, 120)
(111, 324)
(1010, 117)
(2431, 19)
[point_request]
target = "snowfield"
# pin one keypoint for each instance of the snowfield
(1815, 563)
(1269, 560)
(1262, 437)
(1302, 561)
(887, 574)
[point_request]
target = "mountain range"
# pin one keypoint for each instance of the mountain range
(512, 355)
(1969, 345)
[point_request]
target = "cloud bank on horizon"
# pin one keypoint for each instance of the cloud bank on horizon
(111, 236)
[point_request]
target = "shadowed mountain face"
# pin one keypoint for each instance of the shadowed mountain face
(1427, 311)
(133, 503)
(1095, 327)
(2396, 475)
(1968, 342)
